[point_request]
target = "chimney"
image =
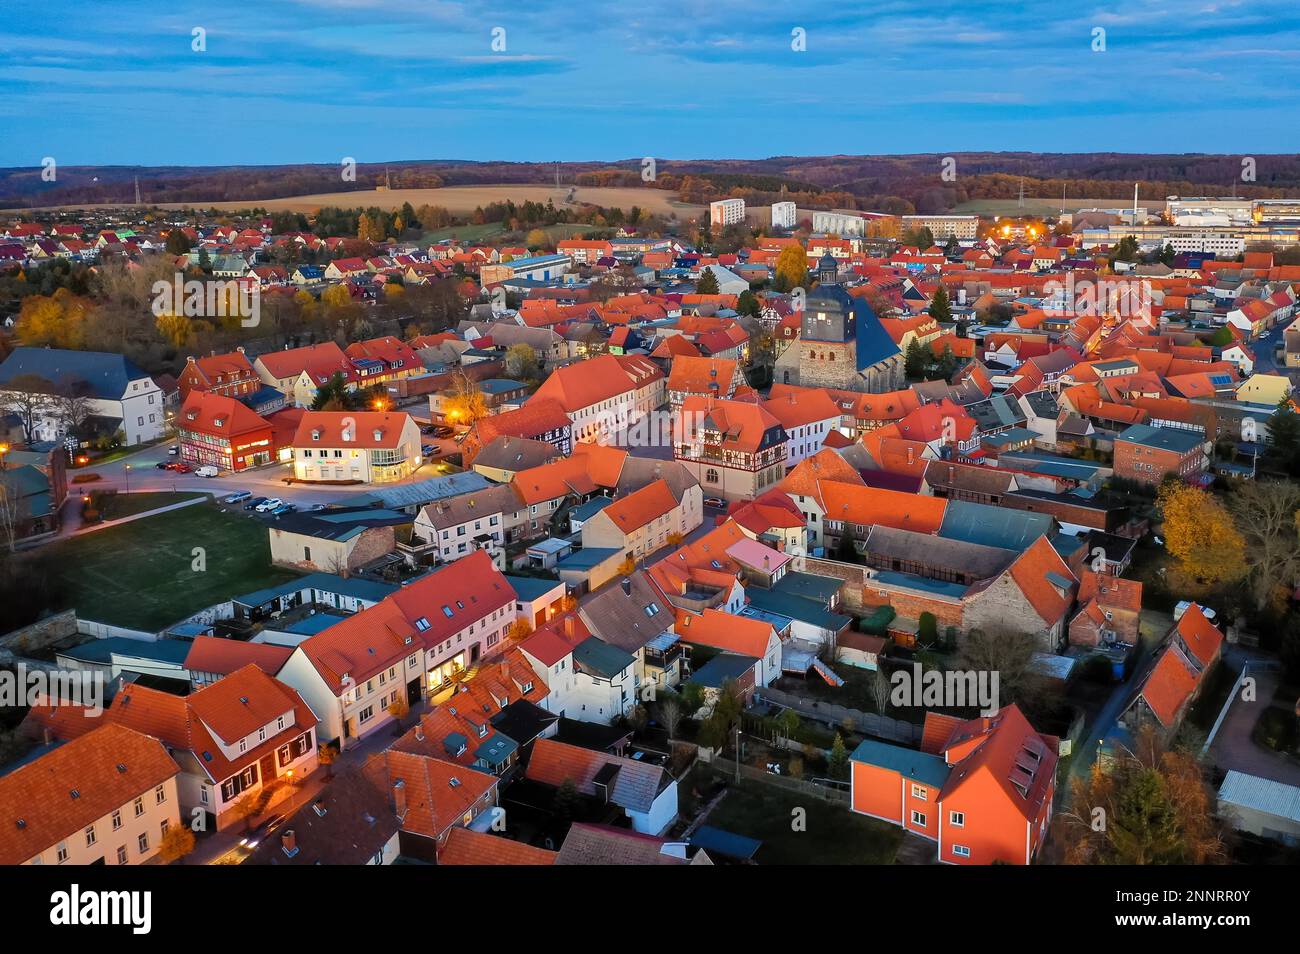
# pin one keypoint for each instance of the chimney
(419, 732)
(909, 454)
(627, 586)
(570, 627)
(399, 799)
(289, 842)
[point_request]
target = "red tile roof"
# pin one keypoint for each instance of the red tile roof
(69, 788)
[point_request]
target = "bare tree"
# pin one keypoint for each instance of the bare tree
(29, 398)
(880, 689)
(1266, 515)
(670, 714)
(1008, 653)
(11, 503)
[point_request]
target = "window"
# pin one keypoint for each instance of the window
(117, 819)
(366, 714)
(957, 819)
(918, 819)
(121, 854)
(143, 842)
(139, 807)
(918, 792)
(90, 836)
(961, 851)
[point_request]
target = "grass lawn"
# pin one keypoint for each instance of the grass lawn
(116, 506)
(141, 574)
(833, 835)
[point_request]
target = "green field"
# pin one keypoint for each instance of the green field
(117, 506)
(833, 835)
(494, 230)
(142, 574)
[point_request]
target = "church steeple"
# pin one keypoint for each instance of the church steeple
(828, 270)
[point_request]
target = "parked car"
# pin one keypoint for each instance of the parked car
(716, 502)
(314, 508)
(254, 503)
(428, 450)
(268, 504)
(207, 470)
(163, 465)
(283, 508)
(237, 496)
(443, 431)
(173, 450)
(181, 468)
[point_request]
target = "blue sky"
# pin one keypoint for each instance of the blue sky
(116, 81)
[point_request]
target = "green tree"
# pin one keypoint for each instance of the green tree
(707, 284)
(1126, 250)
(838, 763)
(567, 800)
(916, 360)
(940, 308)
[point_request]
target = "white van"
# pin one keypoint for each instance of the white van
(207, 470)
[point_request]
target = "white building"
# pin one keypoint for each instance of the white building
(115, 391)
(356, 446)
(843, 224)
(784, 215)
(726, 212)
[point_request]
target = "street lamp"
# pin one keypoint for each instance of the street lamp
(128, 477)
(4, 450)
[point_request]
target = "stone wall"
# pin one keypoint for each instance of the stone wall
(42, 634)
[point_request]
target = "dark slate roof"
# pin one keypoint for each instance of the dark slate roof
(722, 667)
(106, 375)
(1162, 438)
(601, 658)
(873, 341)
(909, 763)
(993, 526)
(348, 823)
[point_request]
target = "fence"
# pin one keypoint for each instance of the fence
(799, 786)
(832, 714)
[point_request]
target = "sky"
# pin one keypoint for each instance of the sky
(110, 82)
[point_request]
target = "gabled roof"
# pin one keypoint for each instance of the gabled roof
(466, 847)
(631, 784)
(437, 794)
(69, 788)
(365, 430)
(641, 507)
(736, 634)
(224, 656)
(98, 374)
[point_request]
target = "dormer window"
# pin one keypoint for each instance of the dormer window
(315, 435)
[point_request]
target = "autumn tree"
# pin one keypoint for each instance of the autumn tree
(1200, 535)
(1145, 806)
(465, 403)
(521, 629)
(521, 361)
(537, 239)
(792, 268)
(838, 763)
(177, 842)
(399, 708)
(627, 567)
(56, 321)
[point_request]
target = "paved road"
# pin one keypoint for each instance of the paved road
(1233, 747)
